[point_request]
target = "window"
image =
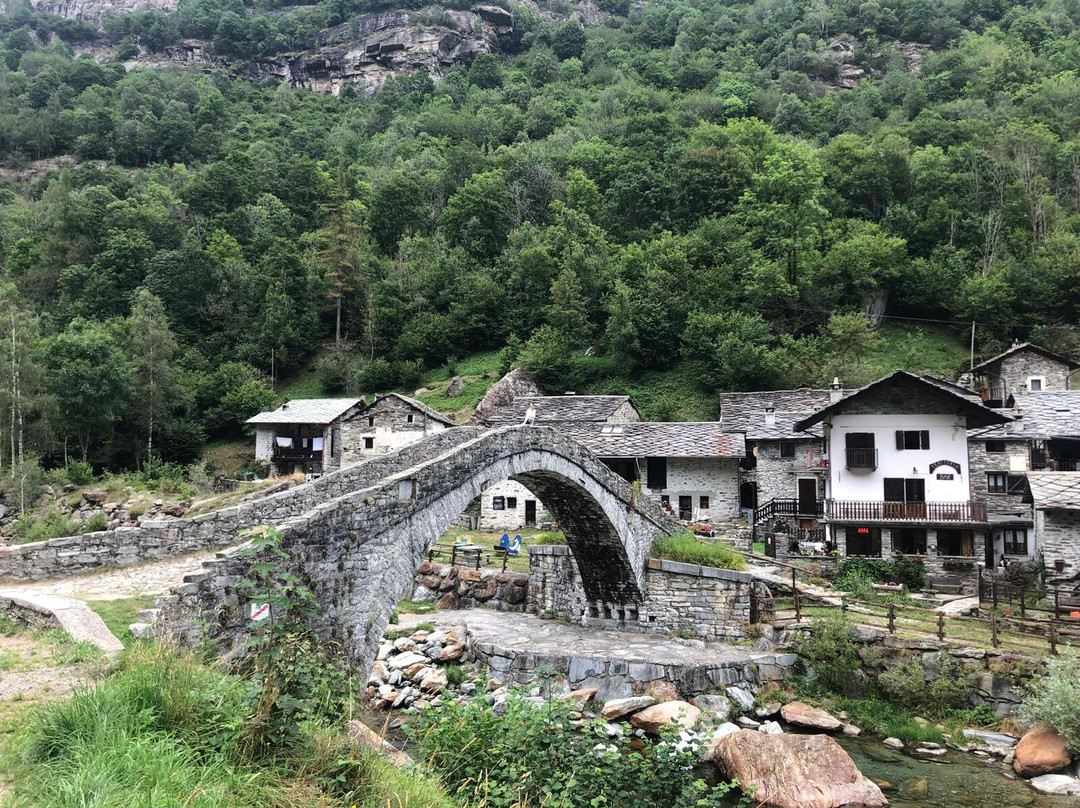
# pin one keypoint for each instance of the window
(787, 449)
(369, 443)
(995, 446)
(864, 541)
(1015, 541)
(909, 540)
(899, 489)
(409, 418)
(703, 503)
(861, 453)
(657, 472)
(1035, 384)
(611, 430)
(511, 503)
(498, 504)
(953, 542)
(998, 482)
(371, 420)
(912, 439)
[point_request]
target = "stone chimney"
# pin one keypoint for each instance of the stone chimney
(836, 390)
(770, 415)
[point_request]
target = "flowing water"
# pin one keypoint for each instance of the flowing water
(954, 780)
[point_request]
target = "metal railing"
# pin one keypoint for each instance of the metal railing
(856, 511)
(862, 458)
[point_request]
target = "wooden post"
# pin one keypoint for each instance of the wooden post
(978, 589)
(795, 591)
(1056, 604)
(1022, 615)
(993, 629)
(1053, 639)
(453, 555)
(506, 558)
(941, 627)
(993, 591)
(892, 618)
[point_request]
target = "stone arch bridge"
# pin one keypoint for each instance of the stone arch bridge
(358, 548)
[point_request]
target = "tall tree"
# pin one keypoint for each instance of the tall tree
(151, 349)
(340, 247)
(21, 394)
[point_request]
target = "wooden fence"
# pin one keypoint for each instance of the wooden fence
(1009, 633)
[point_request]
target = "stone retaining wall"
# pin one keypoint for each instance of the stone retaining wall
(687, 599)
(462, 588)
(27, 614)
(153, 541)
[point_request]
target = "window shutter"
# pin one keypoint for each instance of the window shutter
(657, 471)
(924, 439)
(894, 489)
(899, 440)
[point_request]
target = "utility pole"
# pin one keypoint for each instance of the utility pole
(972, 364)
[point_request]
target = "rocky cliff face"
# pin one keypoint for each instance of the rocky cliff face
(362, 54)
(92, 10)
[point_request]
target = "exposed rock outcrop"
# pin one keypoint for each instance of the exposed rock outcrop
(515, 384)
(795, 771)
(91, 10)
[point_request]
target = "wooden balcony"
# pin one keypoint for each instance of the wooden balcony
(849, 511)
(862, 458)
(283, 455)
(788, 507)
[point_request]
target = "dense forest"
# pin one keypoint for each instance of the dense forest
(683, 186)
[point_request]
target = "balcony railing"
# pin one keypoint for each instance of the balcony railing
(787, 507)
(297, 455)
(862, 458)
(848, 511)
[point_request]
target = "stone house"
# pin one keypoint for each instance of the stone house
(1042, 438)
(1024, 368)
(390, 422)
(692, 468)
(1056, 497)
(782, 476)
(509, 505)
(899, 476)
(303, 436)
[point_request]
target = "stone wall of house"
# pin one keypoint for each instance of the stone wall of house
(155, 540)
(704, 602)
(963, 568)
(777, 477)
(509, 518)
(1059, 537)
(1013, 460)
(359, 553)
(462, 588)
(715, 478)
(1016, 370)
(387, 424)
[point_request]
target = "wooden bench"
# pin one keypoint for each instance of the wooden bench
(946, 586)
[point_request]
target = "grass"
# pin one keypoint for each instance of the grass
(486, 539)
(686, 548)
(163, 730)
(882, 718)
(415, 607)
(120, 613)
(925, 348)
(229, 457)
(659, 395)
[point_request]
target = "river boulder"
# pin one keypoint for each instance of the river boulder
(795, 771)
(1042, 750)
(670, 715)
(803, 715)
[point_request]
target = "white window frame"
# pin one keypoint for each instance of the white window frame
(1042, 383)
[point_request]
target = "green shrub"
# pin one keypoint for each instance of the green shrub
(79, 473)
(830, 651)
(857, 574)
(687, 548)
(549, 537)
(1053, 699)
(936, 696)
(533, 754)
(98, 521)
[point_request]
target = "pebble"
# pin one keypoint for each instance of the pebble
(748, 722)
(894, 743)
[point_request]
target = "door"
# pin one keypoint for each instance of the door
(686, 508)
(530, 513)
(807, 496)
(748, 495)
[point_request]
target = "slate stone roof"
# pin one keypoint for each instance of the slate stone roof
(1055, 489)
(560, 409)
(657, 439)
(307, 411)
(1041, 416)
(433, 414)
(745, 412)
(977, 414)
(1026, 346)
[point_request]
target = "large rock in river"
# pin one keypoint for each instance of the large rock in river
(669, 715)
(1042, 750)
(803, 715)
(795, 771)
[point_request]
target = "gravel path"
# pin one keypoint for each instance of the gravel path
(124, 582)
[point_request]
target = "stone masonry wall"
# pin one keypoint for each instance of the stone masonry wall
(704, 602)
(165, 539)
(1059, 537)
(461, 588)
(777, 477)
(1015, 371)
(359, 552)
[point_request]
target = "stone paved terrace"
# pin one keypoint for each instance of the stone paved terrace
(619, 664)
